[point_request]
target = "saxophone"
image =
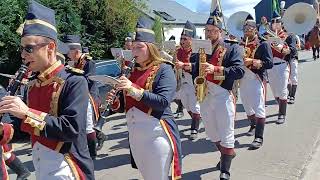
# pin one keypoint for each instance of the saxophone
(200, 81)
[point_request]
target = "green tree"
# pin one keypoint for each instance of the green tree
(158, 30)
(11, 16)
(102, 24)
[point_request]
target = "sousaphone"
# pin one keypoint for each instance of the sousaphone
(235, 23)
(299, 18)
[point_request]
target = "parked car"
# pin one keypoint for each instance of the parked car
(110, 68)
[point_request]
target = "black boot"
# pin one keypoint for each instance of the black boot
(101, 137)
(195, 126)
(314, 53)
(258, 138)
(289, 87)
(92, 143)
(282, 111)
(252, 125)
(293, 94)
(225, 165)
(179, 113)
(20, 169)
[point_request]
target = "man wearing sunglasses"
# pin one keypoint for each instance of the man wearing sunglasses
(55, 115)
(223, 67)
(187, 91)
(257, 58)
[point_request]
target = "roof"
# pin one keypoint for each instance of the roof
(178, 12)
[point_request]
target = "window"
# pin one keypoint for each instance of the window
(164, 15)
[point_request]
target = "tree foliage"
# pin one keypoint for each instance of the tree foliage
(158, 30)
(102, 24)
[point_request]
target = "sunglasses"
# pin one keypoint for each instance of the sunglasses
(31, 48)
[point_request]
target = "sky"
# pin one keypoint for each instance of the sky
(228, 6)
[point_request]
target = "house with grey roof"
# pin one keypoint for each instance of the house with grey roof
(174, 16)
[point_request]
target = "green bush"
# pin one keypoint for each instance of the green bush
(102, 24)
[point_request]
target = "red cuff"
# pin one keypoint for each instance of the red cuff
(34, 123)
(7, 133)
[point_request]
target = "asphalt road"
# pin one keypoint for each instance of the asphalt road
(289, 152)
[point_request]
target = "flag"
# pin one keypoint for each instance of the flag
(216, 7)
(275, 6)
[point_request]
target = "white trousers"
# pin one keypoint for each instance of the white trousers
(150, 146)
(49, 164)
(187, 94)
(278, 79)
(218, 115)
(89, 125)
(293, 72)
(252, 94)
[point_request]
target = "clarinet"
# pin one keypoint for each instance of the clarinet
(107, 111)
(16, 82)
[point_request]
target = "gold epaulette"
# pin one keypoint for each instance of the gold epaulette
(88, 57)
(74, 70)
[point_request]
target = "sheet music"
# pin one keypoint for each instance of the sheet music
(104, 79)
(127, 55)
(200, 43)
(116, 52)
(169, 46)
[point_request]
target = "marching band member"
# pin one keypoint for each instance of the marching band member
(279, 74)
(293, 77)
(258, 58)
(56, 107)
(223, 67)
(6, 133)
(153, 135)
(86, 65)
(187, 91)
(14, 163)
(62, 51)
(128, 43)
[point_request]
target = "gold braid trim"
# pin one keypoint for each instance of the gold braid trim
(150, 79)
(72, 165)
(220, 61)
(57, 85)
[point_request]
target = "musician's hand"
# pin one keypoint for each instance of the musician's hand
(125, 83)
(1, 128)
(187, 66)
(208, 68)
(14, 106)
(257, 63)
(248, 61)
(179, 64)
(110, 95)
(285, 51)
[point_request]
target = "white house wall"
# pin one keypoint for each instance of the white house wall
(176, 31)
